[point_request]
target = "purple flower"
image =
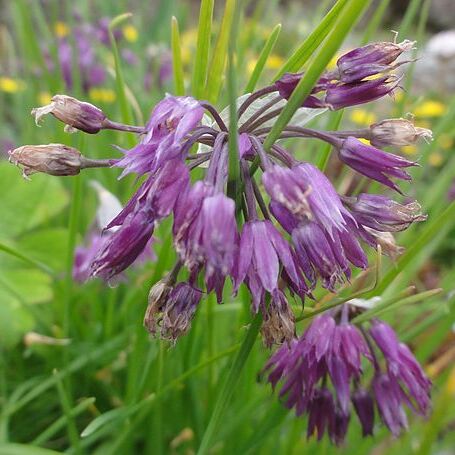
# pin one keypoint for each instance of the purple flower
(389, 399)
(384, 214)
(334, 349)
(403, 368)
(370, 60)
(262, 249)
(374, 163)
(364, 408)
(341, 96)
(84, 255)
(172, 317)
(124, 246)
(171, 121)
(74, 113)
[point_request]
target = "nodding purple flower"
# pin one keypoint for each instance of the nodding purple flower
(171, 316)
(403, 367)
(384, 214)
(374, 163)
(84, 255)
(364, 407)
(389, 400)
(332, 348)
(124, 245)
(262, 249)
(171, 121)
(341, 96)
(370, 60)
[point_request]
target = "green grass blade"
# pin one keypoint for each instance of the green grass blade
(312, 42)
(23, 257)
(219, 55)
(346, 20)
(24, 449)
(177, 67)
(263, 56)
(324, 149)
(229, 385)
(203, 48)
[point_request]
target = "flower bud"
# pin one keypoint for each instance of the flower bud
(52, 159)
(76, 114)
(386, 241)
(398, 132)
(156, 301)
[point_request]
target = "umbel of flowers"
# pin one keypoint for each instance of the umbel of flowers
(280, 238)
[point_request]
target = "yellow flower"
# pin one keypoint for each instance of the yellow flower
(430, 108)
(130, 33)
(102, 95)
(409, 149)
(44, 98)
(61, 29)
(333, 62)
(364, 141)
(9, 85)
(435, 159)
(251, 64)
(445, 141)
(362, 117)
(274, 62)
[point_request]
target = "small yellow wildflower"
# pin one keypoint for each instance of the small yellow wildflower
(430, 108)
(364, 141)
(61, 29)
(409, 149)
(251, 64)
(130, 33)
(9, 85)
(102, 95)
(44, 98)
(333, 62)
(435, 159)
(274, 62)
(362, 117)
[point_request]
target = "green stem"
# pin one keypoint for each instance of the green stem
(229, 385)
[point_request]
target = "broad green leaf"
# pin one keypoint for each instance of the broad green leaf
(31, 286)
(25, 205)
(15, 320)
(25, 449)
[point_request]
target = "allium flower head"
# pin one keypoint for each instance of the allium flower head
(332, 348)
(170, 122)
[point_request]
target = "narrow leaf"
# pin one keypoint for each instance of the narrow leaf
(177, 66)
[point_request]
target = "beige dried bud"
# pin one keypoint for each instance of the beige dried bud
(52, 159)
(74, 113)
(33, 338)
(278, 325)
(397, 132)
(387, 243)
(157, 299)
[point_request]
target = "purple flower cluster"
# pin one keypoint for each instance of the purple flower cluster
(281, 236)
(321, 375)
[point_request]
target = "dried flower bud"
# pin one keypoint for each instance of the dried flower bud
(157, 299)
(278, 325)
(52, 159)
(387, 242)
(398, 132)
(76, 114)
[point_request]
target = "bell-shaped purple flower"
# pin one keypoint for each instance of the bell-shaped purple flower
(384, 214)
(370, 60)
(374, 163)
(340, 96)
(321, 413)
(171, 121)
(403, 367)
(364, 408)
(262, 249)
(389, 399)
(124, 245)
